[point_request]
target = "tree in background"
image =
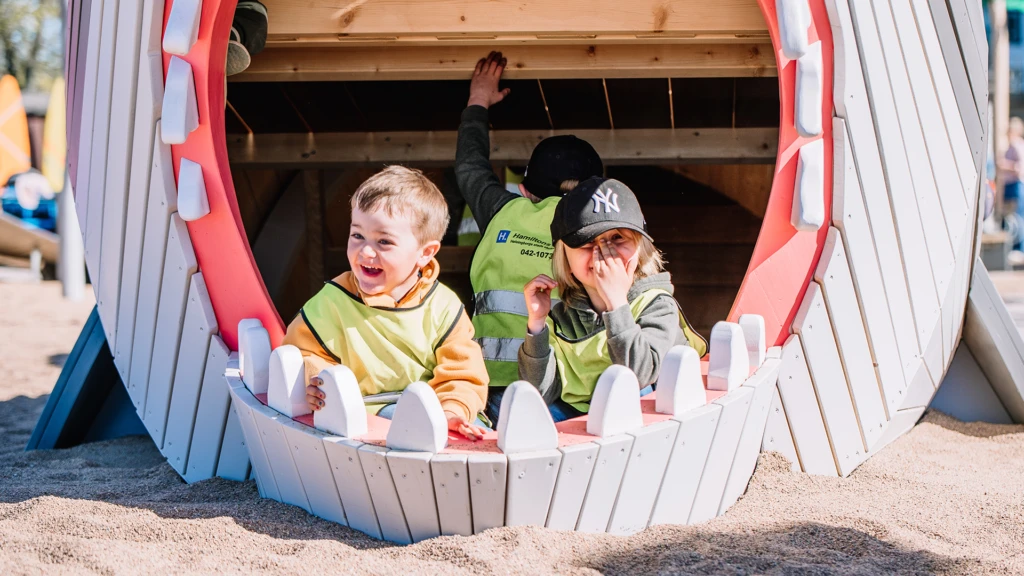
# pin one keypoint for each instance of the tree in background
(31, 42)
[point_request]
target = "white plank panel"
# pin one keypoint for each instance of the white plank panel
(944, 90)
(920, 391)
(200, 324)
(881, 328)
(162, 202)
(833, 273)
(211, 415)
(574, 474)
(451, 484)
(686, 465)
(84, 145)
(149, 93)
(233, 461)
(940, 152)
(487, 481)
(612, 455)
(976, 71)
(652, 446)
(908, 105)
(118, 159)
(307, 448)
(995, 342)
(777, 437)
(98, 172)
(531, 481)
(900, 424)
(851, 103)
(415, 486)
(893, 140)
(244, 403)
(179, 265)
(382, 491)
(763, 384)
(100, 130)
(343, 454)
(801, 404)
(279, 455)
(813, 326)
(735, 406)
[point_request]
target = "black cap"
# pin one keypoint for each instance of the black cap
(557, 159)
(594, 207)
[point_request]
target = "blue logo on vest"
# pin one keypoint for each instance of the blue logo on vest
(503, 236)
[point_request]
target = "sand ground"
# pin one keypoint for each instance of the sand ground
(946, 498)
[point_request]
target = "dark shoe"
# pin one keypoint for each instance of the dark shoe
(251, 22)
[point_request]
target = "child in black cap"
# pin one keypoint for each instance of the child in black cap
(616, 301)
(515, 243)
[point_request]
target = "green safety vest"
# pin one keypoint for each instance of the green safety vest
(386, 348)
(581, 362)
(469, 230)
(514, 249)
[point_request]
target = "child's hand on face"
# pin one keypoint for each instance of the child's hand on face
(458, 424)
(538, 301)
(612, 275)
(483, 88)
(314, 395)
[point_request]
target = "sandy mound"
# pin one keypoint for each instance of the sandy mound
(946, 498)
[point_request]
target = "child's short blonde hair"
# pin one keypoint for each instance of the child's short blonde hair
(407, 191)
(649, 263)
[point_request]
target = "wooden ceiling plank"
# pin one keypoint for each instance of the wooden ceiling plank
(386, 18)
(644, 146)
(524, 62)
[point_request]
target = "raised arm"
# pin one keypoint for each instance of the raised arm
(478, 184)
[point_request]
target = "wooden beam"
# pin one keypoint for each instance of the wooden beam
(749, 186)
(385, 19)
(647, 146)
(314, 185)
(525, 61)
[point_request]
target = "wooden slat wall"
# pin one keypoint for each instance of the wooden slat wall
(139, 255)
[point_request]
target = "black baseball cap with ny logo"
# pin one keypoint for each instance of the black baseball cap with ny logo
(594, 207)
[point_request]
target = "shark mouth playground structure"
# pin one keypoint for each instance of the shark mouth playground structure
(831, 154)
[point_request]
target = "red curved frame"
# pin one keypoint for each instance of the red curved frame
(781, 267)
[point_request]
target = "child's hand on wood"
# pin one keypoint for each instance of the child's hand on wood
(538, 301)
(483, 88)
(314, 395)
(459, 424)
(613, 275)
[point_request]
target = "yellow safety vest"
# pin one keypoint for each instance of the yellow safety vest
(469, 230)
(581, 362)
(386, 348)
(515, 248)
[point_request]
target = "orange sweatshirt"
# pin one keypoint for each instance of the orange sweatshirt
(460, 378)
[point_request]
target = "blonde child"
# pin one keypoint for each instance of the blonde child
(616, 307)
(389, 319)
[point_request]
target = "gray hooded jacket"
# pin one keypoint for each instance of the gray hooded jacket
(636, 344)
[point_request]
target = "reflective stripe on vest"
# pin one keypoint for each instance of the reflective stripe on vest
(386, 348)
(514, 249)
(500, 349)
(502, 301)
(581, 362)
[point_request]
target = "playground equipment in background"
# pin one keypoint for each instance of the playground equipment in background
(863, 273)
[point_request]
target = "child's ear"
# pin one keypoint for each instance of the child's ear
(429, 251)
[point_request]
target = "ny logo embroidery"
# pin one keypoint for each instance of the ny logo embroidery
(608, 198)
